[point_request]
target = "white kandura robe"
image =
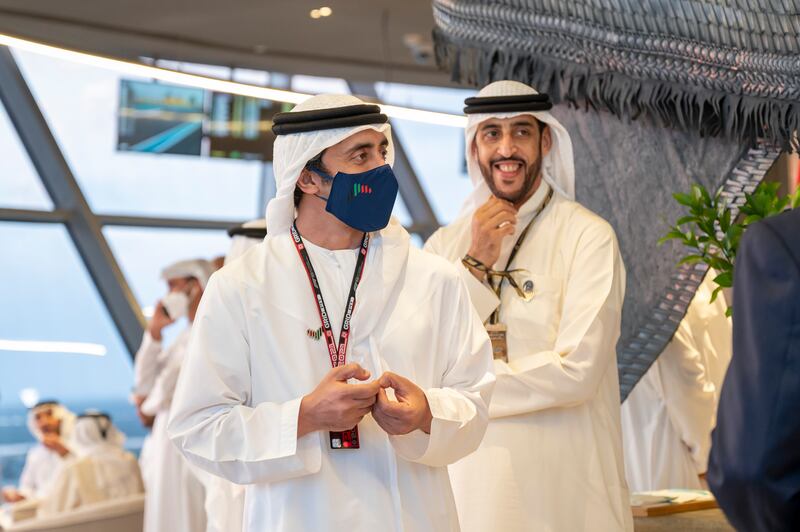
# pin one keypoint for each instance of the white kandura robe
(106, 472)
(668, 417)
(42, 466)
(174, 497)
(251, 361)
(551, 460)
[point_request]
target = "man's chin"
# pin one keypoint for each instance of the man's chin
(508, 195)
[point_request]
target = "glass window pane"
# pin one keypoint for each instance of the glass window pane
(437, 155)
(80, 104)
(435, 152)
(143, 252)
(20, 187)
(443, 99)
(50, 319)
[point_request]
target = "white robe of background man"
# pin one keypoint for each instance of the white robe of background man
(101, 470)
(251, 361)
(551, 460)
(668, 417)
(174, 497)
(43, 465)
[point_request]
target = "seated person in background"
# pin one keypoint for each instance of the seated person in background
(668, 417)
(50, 423)
(100, 470)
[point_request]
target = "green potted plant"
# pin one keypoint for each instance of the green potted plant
(711, 233)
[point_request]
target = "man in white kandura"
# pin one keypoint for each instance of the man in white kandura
(51, 424)
(224, 500)
(102, 469)
(668, 417)
(547, 277)
(174, 496)
(362, 446)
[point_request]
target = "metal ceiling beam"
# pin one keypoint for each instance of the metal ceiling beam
(27, 215)
(422, 216)
(167, 223)
(84, 228)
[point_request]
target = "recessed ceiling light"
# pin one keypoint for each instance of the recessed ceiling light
(315, 13)
(325, 11)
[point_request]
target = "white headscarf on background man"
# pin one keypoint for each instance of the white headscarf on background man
(558, 167)
(200, 269)
(60, 412)
(94, 431)
(242, 240)
(292, 152)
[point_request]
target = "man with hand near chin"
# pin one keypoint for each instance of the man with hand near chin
(546, 276)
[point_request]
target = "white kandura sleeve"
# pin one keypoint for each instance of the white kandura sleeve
(27, 480)
(459, 404)
(146, 365)
(160, 395)
(584, 349)
(211, 420)
(483, 298)
(689, 394)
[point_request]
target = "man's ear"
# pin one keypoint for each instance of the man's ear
(307, 183)
(547, 140)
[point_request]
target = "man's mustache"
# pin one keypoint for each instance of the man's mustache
(505, 159)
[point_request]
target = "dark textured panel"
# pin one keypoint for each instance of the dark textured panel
(722, 67)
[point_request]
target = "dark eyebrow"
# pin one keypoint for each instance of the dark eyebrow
(529, 123)
(366, 146)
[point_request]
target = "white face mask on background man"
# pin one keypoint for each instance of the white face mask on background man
(177, 302)
(176, 305)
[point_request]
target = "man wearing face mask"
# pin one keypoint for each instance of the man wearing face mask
(51, 424)
(174, 496)
(546, 276)
(334, 369)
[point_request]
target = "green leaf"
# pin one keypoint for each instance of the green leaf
(715, 293)
(691, 259)
(700, 194)
(725, 220)
(718, 263)
(674, 233)
(697, 193)
(724, 279)
(684, 199)
(729, 312)
(686, 219)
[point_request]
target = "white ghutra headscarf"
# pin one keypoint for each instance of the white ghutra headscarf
(558, 167)
(293, 151)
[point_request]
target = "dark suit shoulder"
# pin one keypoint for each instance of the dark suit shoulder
(785, 228)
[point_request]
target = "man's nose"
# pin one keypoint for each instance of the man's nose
(506, 148)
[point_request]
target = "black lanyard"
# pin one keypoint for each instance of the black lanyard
(338, 353)
(506, 273)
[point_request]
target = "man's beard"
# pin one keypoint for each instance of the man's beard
(530, 178)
